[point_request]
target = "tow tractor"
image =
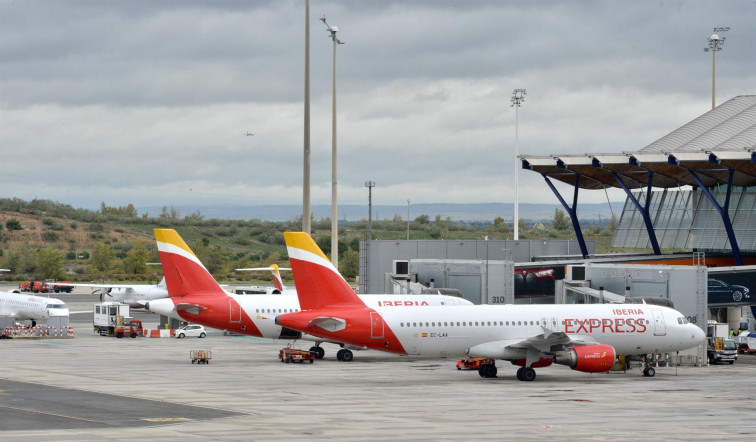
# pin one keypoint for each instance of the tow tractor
(289, 355)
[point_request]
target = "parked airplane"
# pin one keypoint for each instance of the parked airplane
(585, 337)
(278, 284)
(30, 307)
(196, 297)
(136, 295)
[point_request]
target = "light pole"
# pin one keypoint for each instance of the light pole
(715, 45)
(370, 185)
(518, 96)
(306, 162)
(408, 218)
(334, 205)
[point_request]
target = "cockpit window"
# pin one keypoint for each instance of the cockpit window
(682, 320)
(55, 306)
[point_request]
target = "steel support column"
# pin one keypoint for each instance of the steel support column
(724, 212)
(572, 211)
(643, 209)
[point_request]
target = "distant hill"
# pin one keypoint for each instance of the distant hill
(457, 212)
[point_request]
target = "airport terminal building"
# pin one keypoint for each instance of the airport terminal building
(691, 203)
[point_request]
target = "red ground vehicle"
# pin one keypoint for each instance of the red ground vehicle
(469, 363)
(61, 288)
(289, 355)
(34, 286)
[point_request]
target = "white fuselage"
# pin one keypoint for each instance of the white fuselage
(495, 330)
(32, 307)
(135, 296)
(263, 309)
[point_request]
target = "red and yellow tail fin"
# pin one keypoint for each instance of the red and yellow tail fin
(184, 273)
(317, 281)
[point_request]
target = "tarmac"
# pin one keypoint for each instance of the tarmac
(101, 388)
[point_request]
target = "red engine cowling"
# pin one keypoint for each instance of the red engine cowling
(588, 358)
(543, 362)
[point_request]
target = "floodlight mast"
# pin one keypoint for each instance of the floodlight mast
(306, 212)
(715, 45)
(518, 97)
(370, 184)
(334, 182)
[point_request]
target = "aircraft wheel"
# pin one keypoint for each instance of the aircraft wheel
(340, 355)
(528, 374)
(482, 370)
(649, 371)
(519, 373)
(318, 352)
(347, 356)
(491, 371)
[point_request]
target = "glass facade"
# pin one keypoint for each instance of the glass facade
(686, 219)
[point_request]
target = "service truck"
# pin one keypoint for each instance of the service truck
(720, 347)
(113, 319)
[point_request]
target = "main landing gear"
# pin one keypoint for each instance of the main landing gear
(342, 355)
(487, 369)
(526, 374)
(317, 351)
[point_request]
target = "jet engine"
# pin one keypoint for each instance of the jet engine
(588, 358)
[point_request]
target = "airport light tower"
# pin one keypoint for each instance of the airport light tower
(306, 212)
(334, 207)
(518, 97)
(370, 185)
(715, 45)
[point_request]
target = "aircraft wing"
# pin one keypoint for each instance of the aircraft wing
(101, 286)
(548, 342)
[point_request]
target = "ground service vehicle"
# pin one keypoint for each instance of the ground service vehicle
(470, 363)
(34, 286)
(112, 319)
(290, 355)
(191, 330)
(719, 347)
(60, 286)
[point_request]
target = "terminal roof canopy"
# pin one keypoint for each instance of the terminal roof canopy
(711, 145)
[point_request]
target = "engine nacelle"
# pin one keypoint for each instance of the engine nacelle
(543, 362)
(588, 358)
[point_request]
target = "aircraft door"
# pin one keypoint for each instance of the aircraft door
(376, 325)
(234, 310)
(660, 328)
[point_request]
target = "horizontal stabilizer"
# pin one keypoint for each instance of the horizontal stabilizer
(328, 323)
(193, 309)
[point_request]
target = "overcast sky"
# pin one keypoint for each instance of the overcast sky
(147, 102)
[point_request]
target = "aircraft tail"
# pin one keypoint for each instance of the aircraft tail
(274, 270)
(183, 272)
(318, 282)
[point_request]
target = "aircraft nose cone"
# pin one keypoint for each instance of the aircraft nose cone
(699, 336)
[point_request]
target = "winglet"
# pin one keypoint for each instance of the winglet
(183, 272)
(318, 282)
